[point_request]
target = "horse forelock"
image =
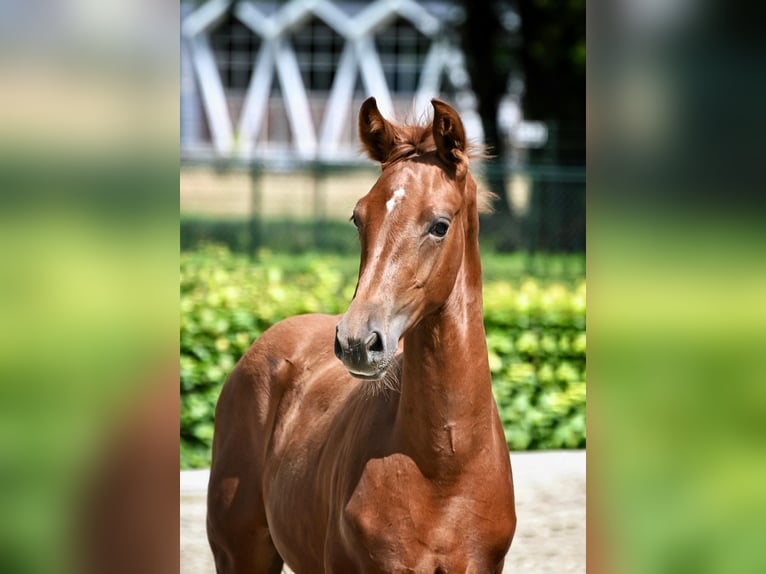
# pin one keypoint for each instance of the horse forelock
(411, 141)
(416, 140)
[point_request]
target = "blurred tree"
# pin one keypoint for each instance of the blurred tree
(552, 56)
(549, 53)
(487, 46)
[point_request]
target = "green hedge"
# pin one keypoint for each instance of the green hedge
(535, 334)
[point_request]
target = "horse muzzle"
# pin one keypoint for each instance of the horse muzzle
(365, 353)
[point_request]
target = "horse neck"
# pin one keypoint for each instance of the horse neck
(444, 413)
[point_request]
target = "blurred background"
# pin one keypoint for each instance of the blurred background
(270, 93)
(89, 133)
(271, 168)
(88, 286)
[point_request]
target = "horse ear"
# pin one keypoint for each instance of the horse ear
(376, 134)
(449, 135)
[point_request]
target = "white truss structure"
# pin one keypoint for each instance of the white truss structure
(276, 63)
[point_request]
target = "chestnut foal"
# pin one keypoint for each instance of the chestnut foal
(314, 469)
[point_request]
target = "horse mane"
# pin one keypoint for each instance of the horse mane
(416, 140)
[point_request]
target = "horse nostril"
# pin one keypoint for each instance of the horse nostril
(374, 342)
(338, 349)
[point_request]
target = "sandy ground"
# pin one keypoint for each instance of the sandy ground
(295, 195)
(550, 506)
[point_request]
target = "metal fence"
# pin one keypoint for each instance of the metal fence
(250, 205)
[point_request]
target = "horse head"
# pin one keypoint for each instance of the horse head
(414, 225)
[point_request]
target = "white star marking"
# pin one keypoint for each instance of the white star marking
(391, 203)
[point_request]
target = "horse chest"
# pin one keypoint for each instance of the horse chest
(398, 521)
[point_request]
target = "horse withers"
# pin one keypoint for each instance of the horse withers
(371, 442)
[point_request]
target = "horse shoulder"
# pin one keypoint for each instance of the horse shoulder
(271, 366)
(287, 347)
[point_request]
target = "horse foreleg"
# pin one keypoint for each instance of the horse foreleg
(236, 518)
(250, 552)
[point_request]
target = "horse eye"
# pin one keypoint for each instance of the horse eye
(353, 220)
(439, 228)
